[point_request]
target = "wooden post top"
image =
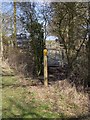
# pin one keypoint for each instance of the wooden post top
(45, 52)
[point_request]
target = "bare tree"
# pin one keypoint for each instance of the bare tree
(68, 24)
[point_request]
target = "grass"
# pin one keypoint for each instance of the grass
(18, 103)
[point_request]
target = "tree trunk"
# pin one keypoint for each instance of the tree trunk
(88, 80)
(15, 42)
(1, 48)
(88, 46)
(1, 40)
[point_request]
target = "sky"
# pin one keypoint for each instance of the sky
(45, 0)
(6, 7)
(31, 0)
(51, 38)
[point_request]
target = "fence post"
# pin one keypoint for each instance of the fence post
(45, 68)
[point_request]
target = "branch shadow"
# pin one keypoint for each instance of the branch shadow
(26, 110)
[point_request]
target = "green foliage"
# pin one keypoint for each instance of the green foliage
(36, 46)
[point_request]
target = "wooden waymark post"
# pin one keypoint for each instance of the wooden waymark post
(45, 68)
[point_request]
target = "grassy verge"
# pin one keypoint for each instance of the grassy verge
(17, 102)
(21, 100)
